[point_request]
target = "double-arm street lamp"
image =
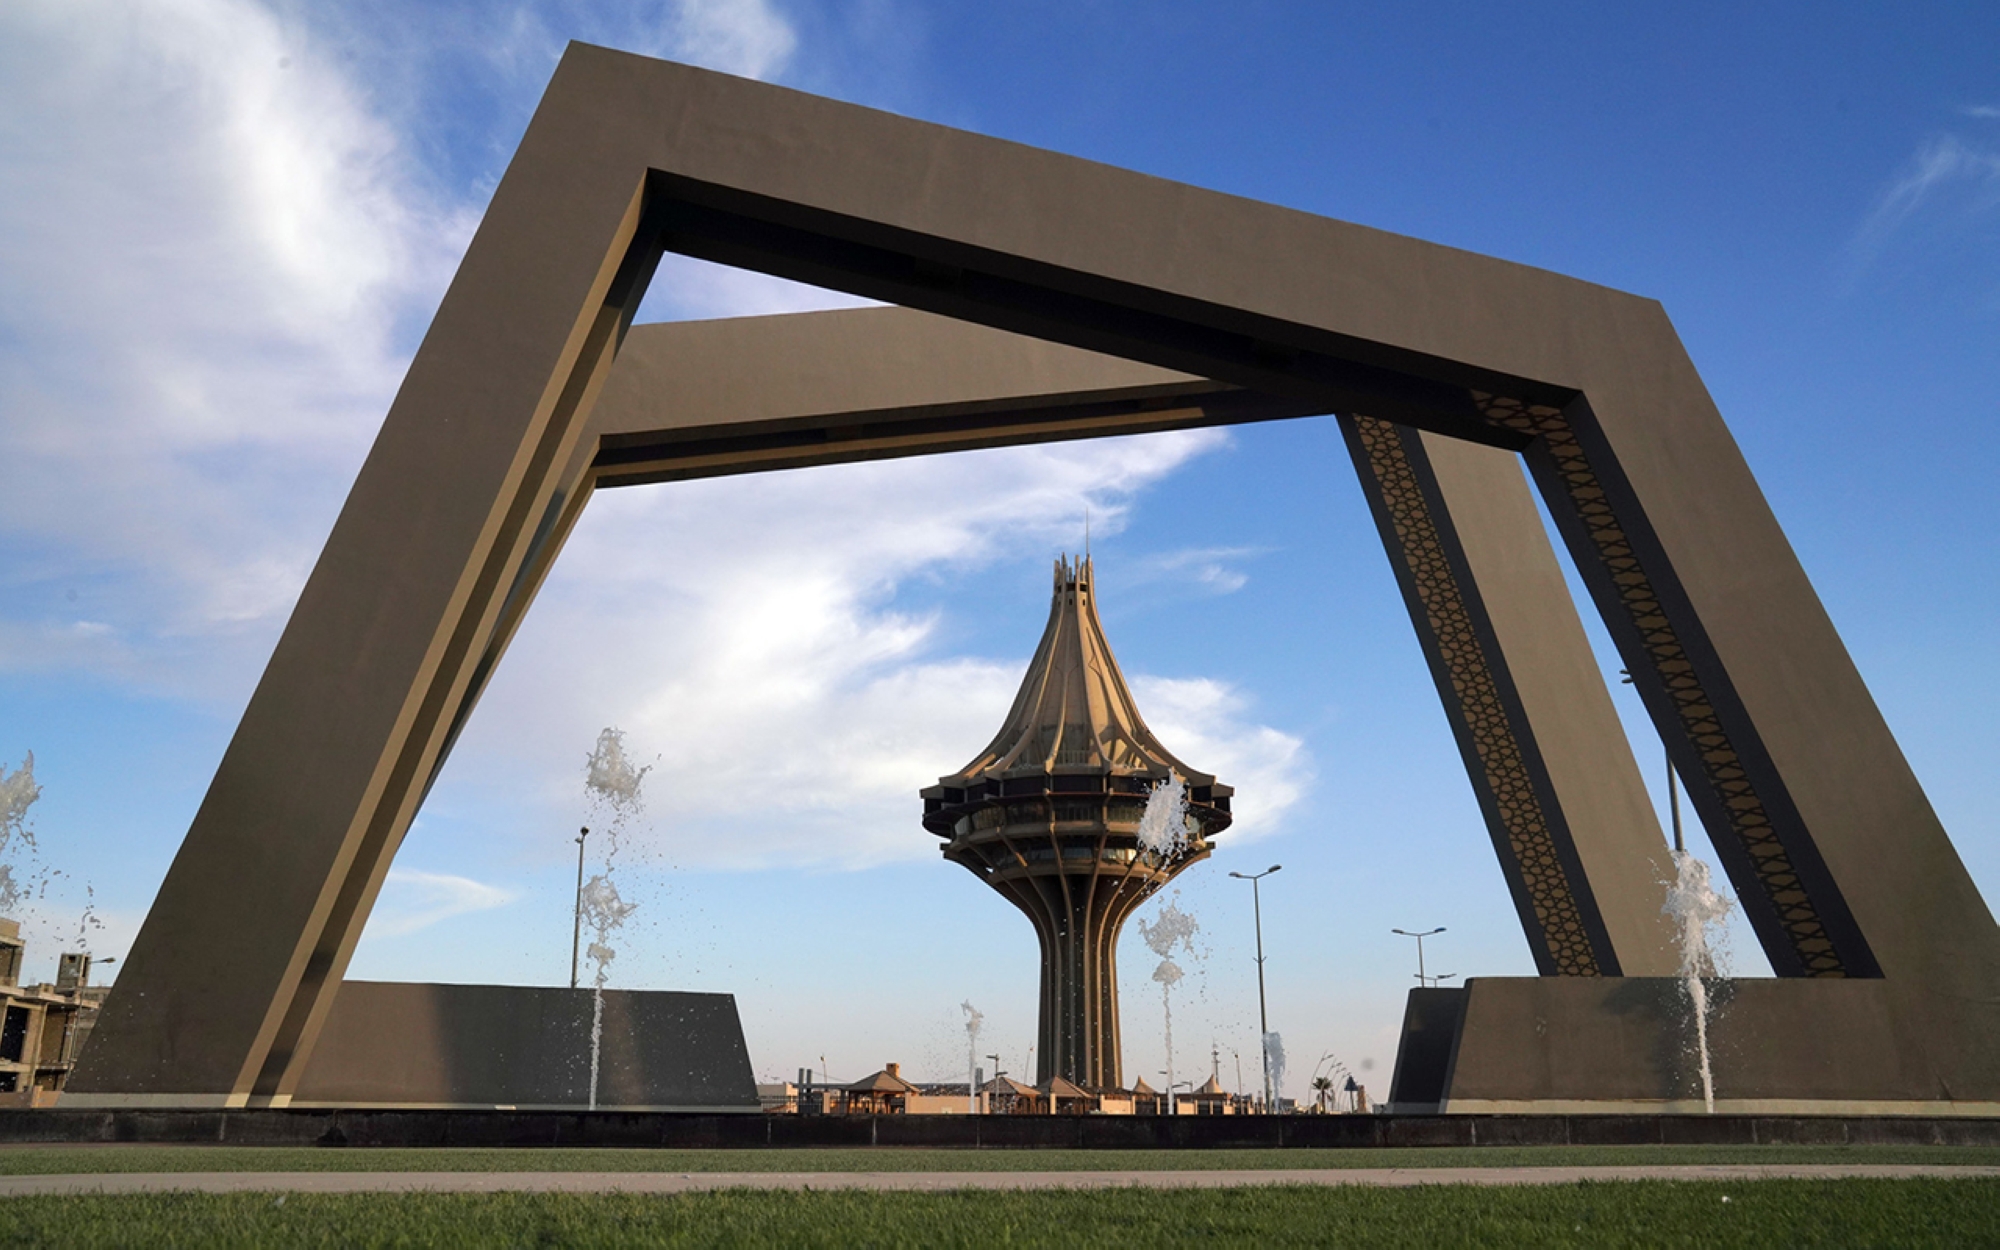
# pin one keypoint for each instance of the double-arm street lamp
(1421, 978)
(1263, 1017)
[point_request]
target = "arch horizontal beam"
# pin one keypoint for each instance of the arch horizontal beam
(702, 399)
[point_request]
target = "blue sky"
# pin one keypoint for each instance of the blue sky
(224, 224)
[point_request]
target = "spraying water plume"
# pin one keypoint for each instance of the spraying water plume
(613, 786)
(25, 877)
(1274, 1063)
(1163, 826)
(1696, 909)
(1172, 927)
(973, 1019)
(18, 793)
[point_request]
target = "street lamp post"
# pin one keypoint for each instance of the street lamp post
(576, 932)
(1263, 1017)
(1422, 980)
(1673, 780)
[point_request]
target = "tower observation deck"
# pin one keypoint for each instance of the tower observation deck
(1048, 815)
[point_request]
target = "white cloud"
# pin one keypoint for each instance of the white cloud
(746, 37)
(1985, 112)
(1202, 722)
(744, 633)
(750, 38)
(412, 900)
(210, 243)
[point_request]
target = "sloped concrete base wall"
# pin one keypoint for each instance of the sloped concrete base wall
(1776, 1046)
(395, 1044)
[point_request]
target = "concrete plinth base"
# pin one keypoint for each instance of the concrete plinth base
(396, 1045)
(1607, 1045)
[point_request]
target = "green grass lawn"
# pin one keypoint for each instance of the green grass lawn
(51, 1160)
(1648, 1213)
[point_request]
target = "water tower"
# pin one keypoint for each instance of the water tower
(1048, 815)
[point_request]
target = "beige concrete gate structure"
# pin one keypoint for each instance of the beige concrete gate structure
(694, 399)
(1840, 862)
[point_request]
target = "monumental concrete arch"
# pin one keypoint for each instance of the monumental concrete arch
(1840, 862)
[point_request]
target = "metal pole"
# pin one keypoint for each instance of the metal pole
(1263, 1018)
(576, 933)
(1673, 785)
(1423, 979)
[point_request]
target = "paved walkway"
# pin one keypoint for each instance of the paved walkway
(926, 1182)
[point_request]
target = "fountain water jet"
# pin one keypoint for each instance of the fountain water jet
(1274, 1063)
(1172, 927)
(613, 784)
(26, 894)
(1163, 830)
(1163, 826)
(18, 793)
(973, 1019)
(1695, 906)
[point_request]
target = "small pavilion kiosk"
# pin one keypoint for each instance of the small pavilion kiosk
(1067, 1097)
(884, 1093)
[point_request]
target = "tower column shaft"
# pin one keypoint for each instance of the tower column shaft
(1078, 1034)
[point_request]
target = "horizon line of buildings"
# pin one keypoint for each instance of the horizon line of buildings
(889, 1092)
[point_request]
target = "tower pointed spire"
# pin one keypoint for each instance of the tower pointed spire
(1074, 710)
(1048, 815)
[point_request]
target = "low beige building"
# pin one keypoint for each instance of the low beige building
(42, 1027)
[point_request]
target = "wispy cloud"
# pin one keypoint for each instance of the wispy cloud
(1211, 570)
(746, 37)
(751, 38)
(1944, 171)
(412, 900)
(1986, 112)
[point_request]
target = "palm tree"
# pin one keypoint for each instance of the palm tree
(1322, 1090)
